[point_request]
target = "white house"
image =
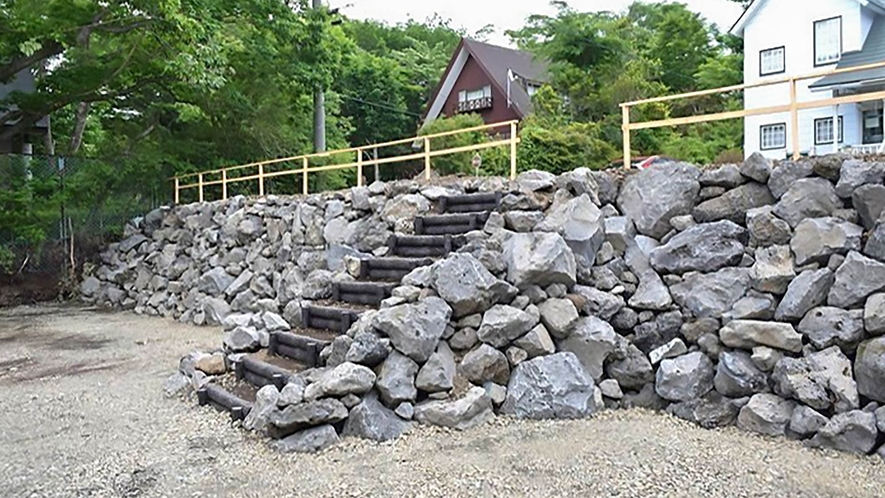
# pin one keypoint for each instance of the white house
(798, 37)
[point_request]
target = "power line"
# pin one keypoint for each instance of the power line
(379, 105)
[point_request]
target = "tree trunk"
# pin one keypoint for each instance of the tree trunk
(79, 127)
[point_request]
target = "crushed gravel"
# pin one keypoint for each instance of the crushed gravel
(84, 415)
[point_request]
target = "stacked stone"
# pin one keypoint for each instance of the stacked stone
(748, 294)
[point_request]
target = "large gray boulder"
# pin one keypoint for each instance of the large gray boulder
(685, 377)
(856, 173)
(396, 380)
(415, 329)
(581, 225)
(874, 314)
(631, 368)
(438, 374)
(747, 334)
(710, 295)
(346, 378)
(215, 281)
(550, 387)
(485, 364)
(592, 341)
(826, 326)
(773, 270)
(766, 229)
(312, 413)
(820, 380)
(766, 414)
(786, 174)
(463, 282)
(372, 420)
(474, 409)
(869, 369)
(757, 167)
(734, 204)
(816, 239)
(502, 324)
(309, 440)
(806, 421)
(655, 195)
(539, 259)
(706, 247)
(368, 349)
(580, 181)
(537, 342)
(737, 376)
(559, 316)
(805, 292)
(857, 278)
(869, 202)
(852, 432)
(242, 338)
(727, 176)
(265, 404)
(807, 198)
(711, 411)
(875, 247)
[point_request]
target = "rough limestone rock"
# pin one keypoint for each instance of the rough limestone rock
(312, 413)
(559, 316)
(746, 334)
(706, 247)
(773, 270)
(309, 440)
(346, 378)
(242, 339)
(737, 375)
(805, 421)
(816, 239)
(786, 174)
(438, 374)
(372, 420)
(755, 306)
(581, 181)
(264, 406)
(869, 369)
(415, 329)
(592, 341)
(857, 278)
(596, 302)
(869, 202)
(581, 225)
(368, 349)
(535, 180)
(550, 387)
(672, 349)
(537, 342)
(757, 167)
(766, 414)
(710, 295)
(874, 314)
(655, 195)
(820, 380)
(875, 247)
(766, 229)
(396, 380)
(826, 326)
(684, 378)
(631, 368)
(619, 232)
(215, 281)
(805, 292)
(734, 204)
(857, 173)
(852, 432)
(711, 411)
(502, 324)
(485, 363)
(474, 409)
(727, 176)
(807, 198)
(465, 284)
(539, 259)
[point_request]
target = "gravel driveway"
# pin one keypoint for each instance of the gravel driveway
(83, 415)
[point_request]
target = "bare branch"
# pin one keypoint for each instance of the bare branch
(49, 49)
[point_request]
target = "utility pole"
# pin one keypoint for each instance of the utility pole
(319, 108)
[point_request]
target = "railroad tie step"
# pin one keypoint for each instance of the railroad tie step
(419, 246)
(224, 400)
(328, 318)
(390, 269)
(260, 374)
(450, 224)
(296, 347)
(365, 293)
(470, 203)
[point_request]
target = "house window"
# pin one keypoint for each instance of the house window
(823, 131)
(773, 136)
(873, 131)
(475, 100)
(771, 61)
(827, 41)
(532, 89)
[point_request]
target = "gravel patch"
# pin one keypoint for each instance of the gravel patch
(84, 415)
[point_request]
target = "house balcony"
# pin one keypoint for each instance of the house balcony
(475, 105)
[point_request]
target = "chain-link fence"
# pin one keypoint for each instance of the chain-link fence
(56, 212)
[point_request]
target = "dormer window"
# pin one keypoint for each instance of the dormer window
(475, 100)
(827, 41)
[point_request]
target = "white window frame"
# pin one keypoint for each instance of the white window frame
(772, 61)
(769, 135)
(827, 44)
(471, 95)
(823, 131)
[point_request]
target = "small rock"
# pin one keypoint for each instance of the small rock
(684, 378)
(766, 414)
(309, 440)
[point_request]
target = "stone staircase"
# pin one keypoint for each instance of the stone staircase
(288, 353)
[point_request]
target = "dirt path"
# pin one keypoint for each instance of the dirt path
(83, 415)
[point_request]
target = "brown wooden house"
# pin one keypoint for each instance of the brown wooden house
(495, 82)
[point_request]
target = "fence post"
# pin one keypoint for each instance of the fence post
(176, 190)
(201, 186)
(359, 167)
(304, 176)
(224, 184)
(513, 138)
(377, 166)
(794, 118)
(261, 179)
(625, 128)
(426, 158)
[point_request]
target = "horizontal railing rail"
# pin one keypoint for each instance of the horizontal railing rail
(259, 170)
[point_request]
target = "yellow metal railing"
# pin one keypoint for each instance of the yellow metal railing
(793, 107)
(303, 167)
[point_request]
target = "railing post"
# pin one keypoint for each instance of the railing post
(359, 167)
(304, 189)
(201, 186)
(261, 179)
(377, 166)
(513, 138)
(426, 158)
(176, 190)
(794, 119)
(625, 128)
(224, 184)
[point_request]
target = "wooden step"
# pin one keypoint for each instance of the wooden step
(297, 347)
(328, 318)
(470, 203)
(260, 373)
(420, 246)
(390, 269)
(366, 293)
(450, 224)
(224, 400)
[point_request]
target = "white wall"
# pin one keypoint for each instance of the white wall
(790, 23)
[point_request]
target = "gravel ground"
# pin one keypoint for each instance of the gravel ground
(83, 415)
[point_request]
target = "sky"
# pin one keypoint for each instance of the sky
(472, 15)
